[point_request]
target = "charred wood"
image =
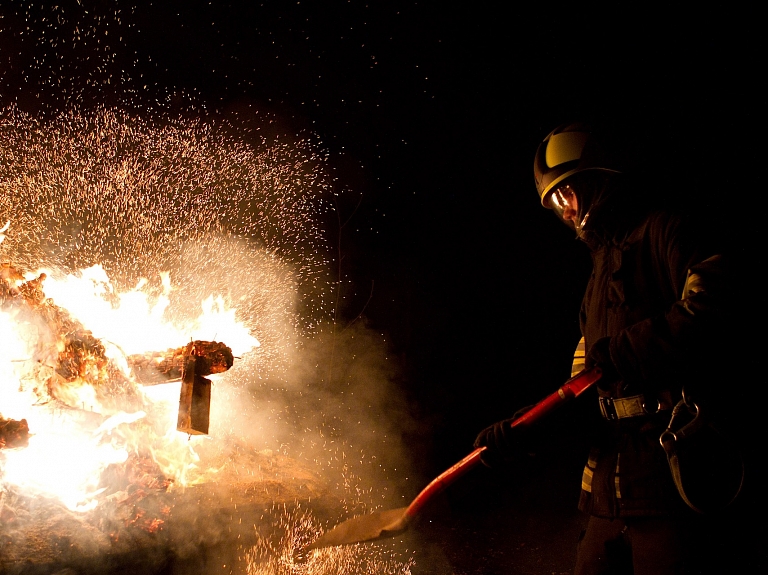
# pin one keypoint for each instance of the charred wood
(161, 367)
(13, 433)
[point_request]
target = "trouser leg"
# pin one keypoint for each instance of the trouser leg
(658, 547)
(636, 546)
(603, 549)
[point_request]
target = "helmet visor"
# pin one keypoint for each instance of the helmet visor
(565, 203)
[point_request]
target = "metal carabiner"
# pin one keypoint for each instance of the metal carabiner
(687, 429)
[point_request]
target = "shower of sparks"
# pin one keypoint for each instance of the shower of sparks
(104, 178)
(221, 212)
(76, 53)
(182, 209)
(281, 553)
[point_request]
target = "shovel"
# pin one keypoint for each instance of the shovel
(382, 524)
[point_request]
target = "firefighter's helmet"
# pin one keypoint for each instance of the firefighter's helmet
(568, 150)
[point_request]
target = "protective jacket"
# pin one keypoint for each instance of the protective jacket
(654, 291)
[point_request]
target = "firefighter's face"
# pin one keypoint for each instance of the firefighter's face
(566, 199)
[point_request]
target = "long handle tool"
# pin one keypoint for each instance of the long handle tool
(383, 524)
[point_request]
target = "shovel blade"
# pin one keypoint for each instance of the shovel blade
(364, 528)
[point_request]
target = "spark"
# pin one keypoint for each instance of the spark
(217, 210)
(281, 551)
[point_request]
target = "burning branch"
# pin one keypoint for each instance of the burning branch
(190, 363)
(200, 358)
(160, 367)
(74, 357)
(13, 433)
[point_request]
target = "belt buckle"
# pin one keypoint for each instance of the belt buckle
(608, 409)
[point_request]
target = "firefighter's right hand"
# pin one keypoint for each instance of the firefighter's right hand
(503, 443)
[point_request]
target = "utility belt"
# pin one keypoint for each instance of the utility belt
(634, 405)
(707, 468)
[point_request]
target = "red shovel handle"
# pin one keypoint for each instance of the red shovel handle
(442, 481)
(571, 389)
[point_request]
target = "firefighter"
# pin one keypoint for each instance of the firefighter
(650, 319)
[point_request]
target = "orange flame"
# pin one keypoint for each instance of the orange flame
(69, 449)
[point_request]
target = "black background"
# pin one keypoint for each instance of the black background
(431, 114)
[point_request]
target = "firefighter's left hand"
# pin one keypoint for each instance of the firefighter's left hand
(600, 356)
(503, 443)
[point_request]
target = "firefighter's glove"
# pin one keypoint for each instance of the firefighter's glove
(600, 356)
(504, 444)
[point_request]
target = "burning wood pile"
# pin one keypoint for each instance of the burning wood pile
(66, 354)
(88, 391)
(76, 358)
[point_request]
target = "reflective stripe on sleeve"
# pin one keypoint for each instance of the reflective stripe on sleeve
(578, 358)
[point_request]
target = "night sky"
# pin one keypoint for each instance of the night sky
(431, 116)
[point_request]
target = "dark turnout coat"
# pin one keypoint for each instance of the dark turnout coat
(655, 292)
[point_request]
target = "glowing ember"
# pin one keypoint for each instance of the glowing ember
(143, 237)
(148, 201)
(280, 552)
(145, 233)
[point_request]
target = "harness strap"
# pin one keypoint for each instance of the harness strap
(670, 439)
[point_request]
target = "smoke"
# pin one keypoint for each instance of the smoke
(243, 220)
(341, 409)
(141, 179)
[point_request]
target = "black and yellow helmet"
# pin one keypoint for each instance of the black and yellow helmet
(568, 150)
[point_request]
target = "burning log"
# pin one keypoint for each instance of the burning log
(161, 367)
(200, 358)
(76, 357)
(13, 433)
(190, 363)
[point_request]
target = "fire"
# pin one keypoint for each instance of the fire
(137, 324)
(75, 434)
(125, 223)
(227, 226)
(61, 461)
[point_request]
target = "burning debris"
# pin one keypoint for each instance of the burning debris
(129, 500)
(72, 383)
(106, 482)
(200, 358)
(76, 358)
(189, 363)
(142, 524)
(66, 356)
(13, 433)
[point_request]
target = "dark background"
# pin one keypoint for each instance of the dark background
(431, 115)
